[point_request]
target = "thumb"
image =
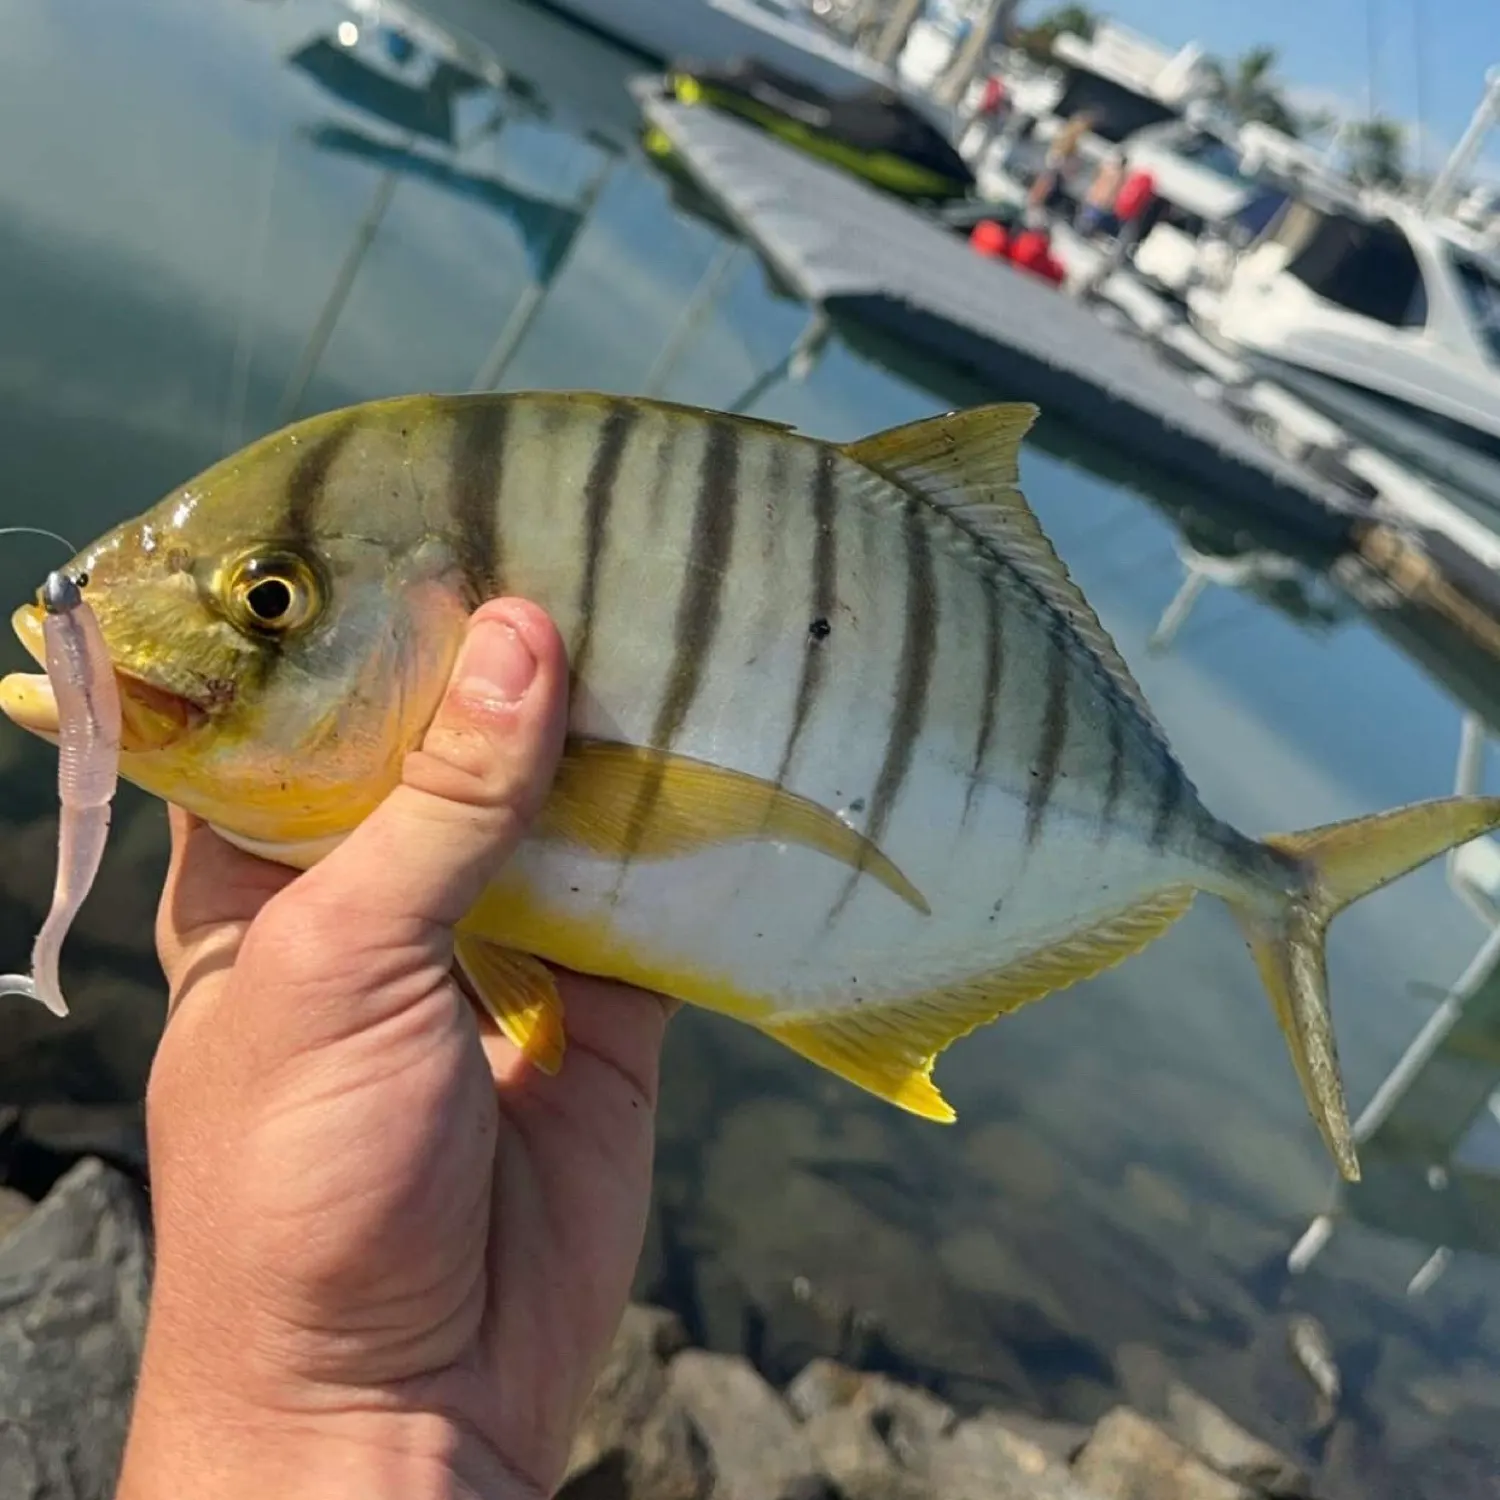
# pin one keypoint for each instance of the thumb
(468, 795)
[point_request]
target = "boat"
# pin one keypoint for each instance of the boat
(872, 132)
(1151, 107)
(1386, 318)
(778, 33)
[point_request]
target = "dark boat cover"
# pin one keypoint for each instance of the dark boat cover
(874, 118)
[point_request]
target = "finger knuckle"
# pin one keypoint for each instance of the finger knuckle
(463, 765)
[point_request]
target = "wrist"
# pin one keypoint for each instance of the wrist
(231, 1406)
(213, 1451)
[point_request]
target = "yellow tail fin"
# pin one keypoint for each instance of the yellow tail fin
(1340, 863)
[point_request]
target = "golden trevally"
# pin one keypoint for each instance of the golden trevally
(851, 759)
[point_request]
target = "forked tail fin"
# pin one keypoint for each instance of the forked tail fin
(1341, 863)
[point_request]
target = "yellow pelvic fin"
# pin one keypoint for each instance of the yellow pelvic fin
(1340, 863)
(967, 463)
(889, 1047)
(697, 805)
(520, 995)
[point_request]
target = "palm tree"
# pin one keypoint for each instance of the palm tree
(1037, 39)
(1247, 91)
(1377, 152)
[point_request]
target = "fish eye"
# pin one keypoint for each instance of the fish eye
(272, 595)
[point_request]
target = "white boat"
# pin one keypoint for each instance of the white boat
(1385, 318)
(778, 33)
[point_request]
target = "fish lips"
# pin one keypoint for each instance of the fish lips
(151, 717)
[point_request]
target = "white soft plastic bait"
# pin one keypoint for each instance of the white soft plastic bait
(88, 718)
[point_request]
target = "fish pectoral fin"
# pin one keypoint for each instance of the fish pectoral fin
(889, 1048)
(520, 995)
(616, 800)
(967, 463)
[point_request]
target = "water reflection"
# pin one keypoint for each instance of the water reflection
(227, 213)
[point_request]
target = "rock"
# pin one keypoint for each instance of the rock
(909, 1419)
(906, 1420)
(624, 1403)
(1129, 1458)
(821, 1386)
(1017, 1160)
(754, 1444)
(1156, 1196)
(854, 1456)
(872, 1436)
(14, 1208)
(1059, 1440)
(666, 1460)
(1145, 1376)
(671, 1461)
(1222, 1443)
(74, 1284)
(983, 1459)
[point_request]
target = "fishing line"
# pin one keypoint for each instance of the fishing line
(39, 531)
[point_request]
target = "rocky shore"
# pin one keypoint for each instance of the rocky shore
(666, 1421)
(670, 1422)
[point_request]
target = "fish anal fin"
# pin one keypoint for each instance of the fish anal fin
(520, 995)
(694, 805)
(889, 1048)
(967, 463)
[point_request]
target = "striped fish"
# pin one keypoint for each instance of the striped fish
(851, 759)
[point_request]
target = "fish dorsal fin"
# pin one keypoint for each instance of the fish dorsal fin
(967, 464)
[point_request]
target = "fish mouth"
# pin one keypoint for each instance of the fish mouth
(151, 717)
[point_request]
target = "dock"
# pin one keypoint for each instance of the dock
(856, 254)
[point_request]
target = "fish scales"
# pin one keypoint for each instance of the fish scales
(901, 538)
(850, 758)
(705, 566)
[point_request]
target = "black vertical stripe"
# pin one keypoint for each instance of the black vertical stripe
(1054, 733)
(598, 500)
(308, 481)
(994, 676)
(702, 599)
(1169, 797)
(822, 596)
(1114, 789)
(913, 678)
(699, 608)
(477, 468)
(661, 478)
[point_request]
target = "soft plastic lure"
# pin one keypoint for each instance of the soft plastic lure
(88, 717)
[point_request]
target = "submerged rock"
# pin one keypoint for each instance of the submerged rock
(1222, 1443)
(74, 1284)
(1129, 1458)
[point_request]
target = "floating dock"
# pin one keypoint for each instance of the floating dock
(856, 254)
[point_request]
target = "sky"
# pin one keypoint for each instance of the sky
(1430, 56)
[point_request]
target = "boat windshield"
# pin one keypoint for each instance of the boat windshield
(1481, 292)
(1216, 156)
(1118, 111)
(1366, 267)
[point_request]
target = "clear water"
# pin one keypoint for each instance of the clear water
(178, 204)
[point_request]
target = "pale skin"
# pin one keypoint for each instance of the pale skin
(390, 1254)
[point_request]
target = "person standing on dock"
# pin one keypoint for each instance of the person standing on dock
(1133, 213)
(1062, 156)
(1096, 213)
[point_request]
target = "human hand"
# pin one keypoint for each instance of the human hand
(390, 1254)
